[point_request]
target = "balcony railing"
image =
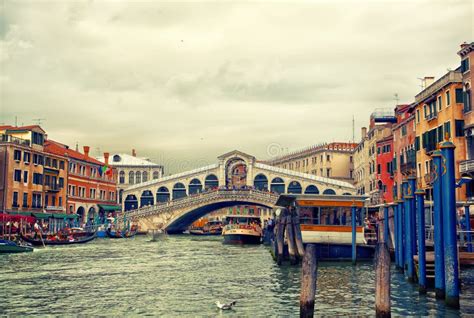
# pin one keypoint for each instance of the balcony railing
(466, 166)
(407, 167)
(14, 140)
(52, 187)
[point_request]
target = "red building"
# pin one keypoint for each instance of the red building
(404, 146)
(92, 185)
(384, 173)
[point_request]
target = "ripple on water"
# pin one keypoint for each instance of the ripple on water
(184, 276)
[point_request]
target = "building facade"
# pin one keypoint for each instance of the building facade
(92, 189)
(333, 160)
(384, 168)
(132, 170)
(439, 114)
(466, 53)
(31, 178)
(404, 154)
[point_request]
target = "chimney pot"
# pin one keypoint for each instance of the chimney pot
(86, 151)
(363, 132)
(106, 158)
(134, 153)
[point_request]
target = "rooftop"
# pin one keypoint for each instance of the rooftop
(123, 159)
(448, 78)
(57, 148)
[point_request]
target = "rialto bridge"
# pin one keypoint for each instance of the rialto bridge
(175, 201)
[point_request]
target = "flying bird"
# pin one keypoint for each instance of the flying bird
(225, 306)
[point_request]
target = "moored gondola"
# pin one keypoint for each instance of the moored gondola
(119, 234)
(67, 241)
(7, 246)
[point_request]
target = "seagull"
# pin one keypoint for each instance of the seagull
(225, 306)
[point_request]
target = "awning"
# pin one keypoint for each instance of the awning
(21, 213)
(110, 208)
(64, 216)
(42, 216)
(16, 217)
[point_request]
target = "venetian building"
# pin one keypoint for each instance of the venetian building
(133, 170)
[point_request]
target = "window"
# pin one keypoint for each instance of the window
(439, 103)
(459, 95)
(15, 200)
(61, 182)
(25, 199)
(61, 165)
(138, 177)
(156, 175)
(465, 65)
(48, 162)
(417, 115)
(459, 126)
(447, 128)
(350, 159)
(122, 177)
(25, 176)
(17, 155)
(378, 150)
(17, 175)
(145, 176)
(448, 98)
(38, 159)
(379, 169)
(328, 172)
(26, 157)
(36, 202)
(46, 200)
(37, 178)
(467, 101)
(131, 177)
(404, 130)
(37, 138)
(60, 201)
(425, 109)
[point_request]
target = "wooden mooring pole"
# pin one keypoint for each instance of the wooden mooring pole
(280, 235)
(382, 281)
(291, 240)
(298, 236)
(308, 281)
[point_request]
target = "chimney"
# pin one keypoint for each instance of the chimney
(427, 81)
(363, 132)
(134, 153)
(86, 151)
(106, 158)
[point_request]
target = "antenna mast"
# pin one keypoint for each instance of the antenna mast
(353, 129)
(39, 120)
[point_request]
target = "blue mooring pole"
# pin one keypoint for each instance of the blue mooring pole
(468, 228)
(386, 231)
(412, 185)
(420, 210)
(451, 261)
(438, 226)
(353, 222)
(395, 232)
(401, 255)
(410, 272)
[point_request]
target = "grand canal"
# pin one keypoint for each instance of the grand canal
(184, 276)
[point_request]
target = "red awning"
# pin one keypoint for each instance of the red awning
(16, 218)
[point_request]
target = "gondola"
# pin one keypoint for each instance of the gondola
(7, 246)
(118, 234)
(75, 240)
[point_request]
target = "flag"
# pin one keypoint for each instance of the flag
(109, 172)
(99, 170)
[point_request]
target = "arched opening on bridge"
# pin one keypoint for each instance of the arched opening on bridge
(294, 187)
(211, 182)
(329, 192)
(163, 194)
(311, 189)
(277, 185)
(195, 186)
(179, 191)
(131, 202)
(346, 193)
(146, 198)
(80, 211)
(261, 182)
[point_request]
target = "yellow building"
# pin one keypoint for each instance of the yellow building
(439, 114)
(333, 160)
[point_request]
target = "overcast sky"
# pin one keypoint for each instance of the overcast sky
(184, 83)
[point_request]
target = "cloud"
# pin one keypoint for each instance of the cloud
(189, 81)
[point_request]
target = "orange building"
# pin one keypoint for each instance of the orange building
(92, 185)
(31, 179)
(467, 64)
(439, 113)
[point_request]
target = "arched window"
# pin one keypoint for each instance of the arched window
(131, 177)
(329, 191)
(145, 176)
(277, 185)
(163, 194)
(346, 193)
(179, 191)
(195, 186)
(294, 187)
(138, 177)
(260, 182)
(311, 189)
(116, 158)
(122, 177)
(156, 175)
(211, 181)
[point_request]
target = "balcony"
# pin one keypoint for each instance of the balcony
(52, 187)
(14, 140)
(431, 116)
(408, 168)
(466, 166)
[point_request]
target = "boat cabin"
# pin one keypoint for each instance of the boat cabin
(242, 219)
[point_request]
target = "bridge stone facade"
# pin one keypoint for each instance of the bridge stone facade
(175, 201)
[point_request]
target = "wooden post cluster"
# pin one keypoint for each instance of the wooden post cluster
(287, 226)
(308, 281)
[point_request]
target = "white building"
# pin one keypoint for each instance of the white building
(132, 170)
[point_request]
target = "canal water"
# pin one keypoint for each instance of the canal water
(185, 276)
